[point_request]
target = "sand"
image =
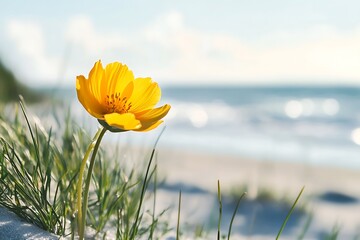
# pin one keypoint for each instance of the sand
(331, 195)
(14, 228)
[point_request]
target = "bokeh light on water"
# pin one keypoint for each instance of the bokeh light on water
(302, 124)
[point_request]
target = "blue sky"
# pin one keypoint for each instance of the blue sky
(185, 42)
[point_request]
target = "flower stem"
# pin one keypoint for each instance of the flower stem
(82, 205)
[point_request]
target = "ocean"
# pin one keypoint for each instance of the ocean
(310, 125)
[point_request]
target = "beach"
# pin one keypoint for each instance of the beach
(252, 146)
(330, 196)
(330, 199)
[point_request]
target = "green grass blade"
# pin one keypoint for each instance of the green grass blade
(289, 213)
(220, 210)
(178, 218)
(36, 147)
(134, 227)
(152, 229)
(234, 214)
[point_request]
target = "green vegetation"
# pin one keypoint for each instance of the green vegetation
(10, 88)
(264, 194)
(38, 176)
(289, 214)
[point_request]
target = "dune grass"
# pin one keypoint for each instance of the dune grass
(38, 176)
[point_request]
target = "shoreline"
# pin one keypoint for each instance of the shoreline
(198, 167)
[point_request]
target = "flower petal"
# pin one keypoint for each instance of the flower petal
(148, 126)
(153, 115)
(97, 82)
(118, 76)
(87, 99)
(126, 93)
(146, 94)
(150, 119)
(126, 121)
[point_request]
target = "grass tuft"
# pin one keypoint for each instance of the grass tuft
(38, 176)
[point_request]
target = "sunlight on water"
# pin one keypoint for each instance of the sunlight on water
(308, 106)
(293, 109)
(331, 106)
(355, 136)
(198, 116)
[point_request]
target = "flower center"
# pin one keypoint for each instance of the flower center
(115, 103)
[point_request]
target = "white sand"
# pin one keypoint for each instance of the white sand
(197, 174)
(14, 228)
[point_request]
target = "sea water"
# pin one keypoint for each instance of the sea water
(315, 125)
(312, 125)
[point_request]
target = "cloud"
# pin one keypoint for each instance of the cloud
(29, 56)
(82, 33)
(172, 51)
(165, 48)
(320, 53)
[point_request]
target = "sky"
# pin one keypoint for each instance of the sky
(197, 42)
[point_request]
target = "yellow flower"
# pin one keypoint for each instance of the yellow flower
(118, 100)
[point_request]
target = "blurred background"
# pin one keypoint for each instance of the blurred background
(274, 81)
(277, 80)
